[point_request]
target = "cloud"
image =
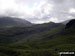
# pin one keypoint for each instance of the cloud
(39, 11)
(61, 9)
(72, 10)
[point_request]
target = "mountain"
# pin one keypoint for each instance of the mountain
(26, 34)
(70, 24)
(63, 39)
(65, 22)
(38, 40)
(9, 22)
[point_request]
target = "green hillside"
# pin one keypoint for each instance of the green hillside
(46, 43)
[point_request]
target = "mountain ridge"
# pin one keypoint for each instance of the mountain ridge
(10, 21)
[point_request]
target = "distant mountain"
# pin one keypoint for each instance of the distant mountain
(45, 26)
(9, 22)
(24, 34)
(65, 22)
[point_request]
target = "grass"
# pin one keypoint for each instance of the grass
(40, 47)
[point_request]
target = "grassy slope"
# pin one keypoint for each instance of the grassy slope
(50, 47)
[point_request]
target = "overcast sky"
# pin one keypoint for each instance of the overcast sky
(39, 11)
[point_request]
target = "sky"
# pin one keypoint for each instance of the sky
(39, 11)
